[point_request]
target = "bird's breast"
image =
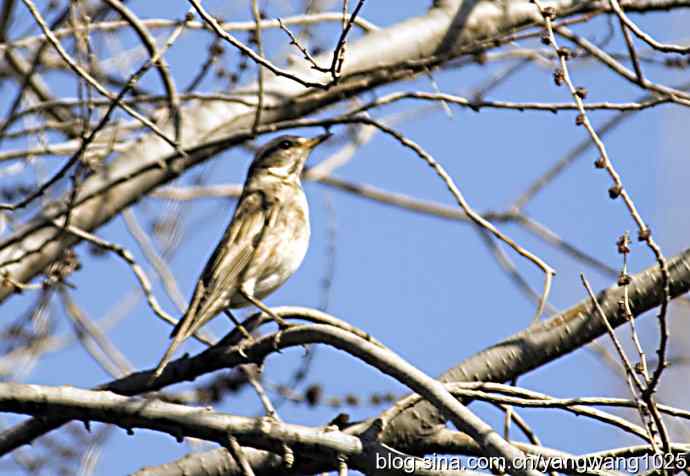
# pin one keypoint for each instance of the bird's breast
(283, 253)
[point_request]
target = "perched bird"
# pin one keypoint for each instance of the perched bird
(263, 245)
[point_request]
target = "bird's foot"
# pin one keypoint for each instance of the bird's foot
(243, 344)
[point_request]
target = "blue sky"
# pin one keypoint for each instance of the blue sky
(425, 286)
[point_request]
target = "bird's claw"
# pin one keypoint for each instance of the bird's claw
(276, 341)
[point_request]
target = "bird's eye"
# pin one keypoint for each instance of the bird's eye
(286, 144)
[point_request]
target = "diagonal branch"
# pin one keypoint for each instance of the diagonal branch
(544, 342)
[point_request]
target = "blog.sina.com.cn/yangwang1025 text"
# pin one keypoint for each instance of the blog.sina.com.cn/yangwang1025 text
(433, 462)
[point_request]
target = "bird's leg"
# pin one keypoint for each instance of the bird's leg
(279, 320)
(248, 338)
(238, 324)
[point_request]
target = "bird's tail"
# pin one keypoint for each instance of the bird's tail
(177, 340)
(184, 328)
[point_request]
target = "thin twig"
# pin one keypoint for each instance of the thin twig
(617, 190)
(144, 281)
(260, 60)
(339, 52)
(259, 68)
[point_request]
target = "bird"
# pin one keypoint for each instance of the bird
(264, 243)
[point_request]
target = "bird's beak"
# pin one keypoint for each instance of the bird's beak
(313, 142)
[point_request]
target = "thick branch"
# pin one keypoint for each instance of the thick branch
(177, 420)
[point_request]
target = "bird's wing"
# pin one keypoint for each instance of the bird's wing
(234, 253)
(219, 279)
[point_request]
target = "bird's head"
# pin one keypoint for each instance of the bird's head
(284, 156)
